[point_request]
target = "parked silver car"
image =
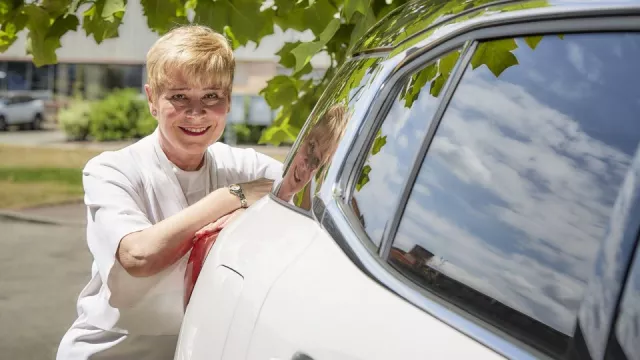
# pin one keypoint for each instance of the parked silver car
(22, 110)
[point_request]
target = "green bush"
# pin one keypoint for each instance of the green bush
(118, 116)
(146, 124)
(248, 134)
(74, 120)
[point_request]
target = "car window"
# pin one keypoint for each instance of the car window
(393, 151)
(316, 144)
(515, 192)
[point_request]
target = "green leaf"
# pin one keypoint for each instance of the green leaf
(351, 7)
(42, 48)
(305, 51)
(212, 14)
(162, 15)
(446, 64)
(378, 144)
(280, 91)
(9, 32)
(561, 36)
(277, 135)
(496, 55)
(243, 17)
(364, 177)
(317, 17)
(533, 41)
(287, 59)
(63, 24)
(363, 23)
(55, 8)
(411, 91)
(103, 18)
(285, 6)
(436, 85)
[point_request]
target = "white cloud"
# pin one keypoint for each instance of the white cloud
(550, 178)
(586, 64)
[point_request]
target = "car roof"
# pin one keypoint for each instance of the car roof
(415, 18)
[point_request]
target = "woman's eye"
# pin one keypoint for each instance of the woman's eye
(211, 96)
(178, 97)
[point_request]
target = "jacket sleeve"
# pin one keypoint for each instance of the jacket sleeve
(114, 207)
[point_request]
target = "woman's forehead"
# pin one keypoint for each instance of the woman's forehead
(179, 80)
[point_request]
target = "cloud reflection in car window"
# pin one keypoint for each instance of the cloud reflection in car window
(515, 194)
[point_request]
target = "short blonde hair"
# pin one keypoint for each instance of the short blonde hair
(329, 129)
(202, 56)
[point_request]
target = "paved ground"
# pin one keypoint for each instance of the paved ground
(42, 270)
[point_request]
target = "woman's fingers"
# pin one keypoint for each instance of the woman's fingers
(218, 224)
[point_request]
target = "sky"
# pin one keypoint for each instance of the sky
(515, 195)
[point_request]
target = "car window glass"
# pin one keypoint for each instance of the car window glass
(393, 151)
(325, 127)
(516, 190)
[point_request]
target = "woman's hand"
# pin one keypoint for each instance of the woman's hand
(255, 190)
(217, 225)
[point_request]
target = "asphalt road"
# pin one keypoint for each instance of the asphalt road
(42, 270)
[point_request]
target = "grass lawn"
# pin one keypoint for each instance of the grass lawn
(33, 176)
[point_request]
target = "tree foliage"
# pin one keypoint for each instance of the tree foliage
(337, 26)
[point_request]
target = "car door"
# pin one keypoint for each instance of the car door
(473, 223)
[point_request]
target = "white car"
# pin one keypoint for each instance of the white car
(466, 188)
(22, 110)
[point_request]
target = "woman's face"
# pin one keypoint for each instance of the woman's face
(303, 167)
(190, 119)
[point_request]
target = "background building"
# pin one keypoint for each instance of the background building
(89, 70)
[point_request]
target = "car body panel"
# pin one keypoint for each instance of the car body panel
(324, 307)
(259, 258)
(216, 317)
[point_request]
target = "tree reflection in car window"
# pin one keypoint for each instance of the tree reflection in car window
(396, 145)
(515, 193)
(312, 155)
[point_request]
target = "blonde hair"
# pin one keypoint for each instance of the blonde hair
(202, 56)
(330, 128)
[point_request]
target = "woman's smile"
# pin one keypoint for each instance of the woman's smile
(195, 131)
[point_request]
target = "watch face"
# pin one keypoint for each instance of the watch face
(234, 187)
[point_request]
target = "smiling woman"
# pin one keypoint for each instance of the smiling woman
(147, 201)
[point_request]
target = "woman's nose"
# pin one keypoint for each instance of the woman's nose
(195, 108)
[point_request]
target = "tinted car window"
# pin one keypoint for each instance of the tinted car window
(516, 190)
(394, 149)
(323, 131)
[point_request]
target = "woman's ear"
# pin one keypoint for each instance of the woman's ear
(147, 90)
(229, 103)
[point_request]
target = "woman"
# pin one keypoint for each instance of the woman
(315, 151)
(146, 202)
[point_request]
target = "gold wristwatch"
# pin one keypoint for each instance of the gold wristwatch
(236, 190)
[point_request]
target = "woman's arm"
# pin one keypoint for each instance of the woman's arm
(153, 249)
